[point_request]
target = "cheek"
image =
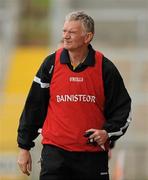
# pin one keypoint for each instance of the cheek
(79, 40)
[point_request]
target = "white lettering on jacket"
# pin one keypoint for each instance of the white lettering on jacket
(76, 98)
(76, 79)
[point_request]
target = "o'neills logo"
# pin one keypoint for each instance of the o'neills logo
(76, 79)
(76, 98)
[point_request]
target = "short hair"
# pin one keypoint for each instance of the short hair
(86, 20)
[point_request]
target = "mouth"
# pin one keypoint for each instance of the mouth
(67, 42)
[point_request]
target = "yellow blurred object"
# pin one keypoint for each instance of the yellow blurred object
(24, 65)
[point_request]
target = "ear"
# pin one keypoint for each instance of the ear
(88, 37)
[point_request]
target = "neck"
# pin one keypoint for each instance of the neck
(77, 57)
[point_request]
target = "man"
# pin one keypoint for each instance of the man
(79, 100)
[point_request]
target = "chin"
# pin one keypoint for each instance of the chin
(67, 47)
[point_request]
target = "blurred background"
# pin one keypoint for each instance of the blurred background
(31, 29)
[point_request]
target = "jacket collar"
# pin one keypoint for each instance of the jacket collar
(89, 61)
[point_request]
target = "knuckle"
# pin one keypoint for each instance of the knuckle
(19, 163)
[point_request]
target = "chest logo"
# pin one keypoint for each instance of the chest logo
(76, 79)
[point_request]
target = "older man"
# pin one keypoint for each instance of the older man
(79, 100)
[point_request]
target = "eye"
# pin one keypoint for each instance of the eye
(72, 32)
(64, 30)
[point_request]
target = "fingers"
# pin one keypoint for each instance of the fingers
(29, 166)
(99, 136)
(99, 140)
(25, 161)
(25, 167)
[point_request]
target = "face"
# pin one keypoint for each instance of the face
(74, 35)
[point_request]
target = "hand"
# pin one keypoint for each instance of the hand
(99, 136)
(25, 161)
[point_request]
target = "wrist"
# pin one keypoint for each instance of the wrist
(25, 147)
(106, 133)
(23, 150)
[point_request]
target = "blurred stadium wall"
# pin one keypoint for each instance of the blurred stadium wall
(31, 29)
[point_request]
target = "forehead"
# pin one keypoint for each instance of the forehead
(73, 24)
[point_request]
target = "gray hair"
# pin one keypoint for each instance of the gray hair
(86, 20)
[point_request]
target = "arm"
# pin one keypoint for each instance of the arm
(34, 113)
(35, 109)
(117, 104)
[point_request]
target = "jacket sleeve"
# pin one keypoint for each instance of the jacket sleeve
(117, 101)
(35, 109)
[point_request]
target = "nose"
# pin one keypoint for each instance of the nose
(66, 35)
